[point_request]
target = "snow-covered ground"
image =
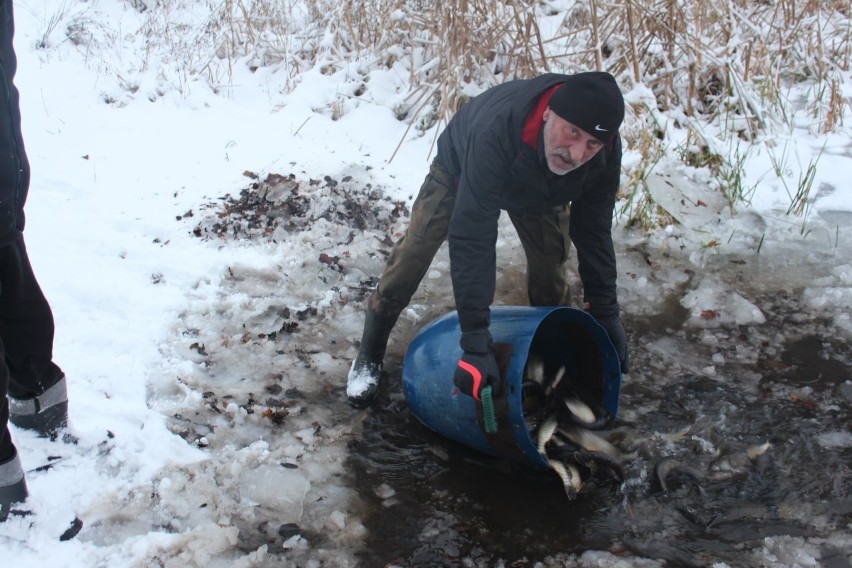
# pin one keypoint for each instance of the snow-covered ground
(207, 372)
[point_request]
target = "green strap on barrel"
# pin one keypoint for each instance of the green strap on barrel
(488, 410)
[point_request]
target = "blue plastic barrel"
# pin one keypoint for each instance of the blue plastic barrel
(562, 336)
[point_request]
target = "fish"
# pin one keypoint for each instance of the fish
(555, 382)
(535, 369)
(568, 473)
(594, 461)
(668, 466)
(575, 447)
(590, 416)
(570, 476)
(736, 463)
(580, 410)
(589, 441)
(545, 433)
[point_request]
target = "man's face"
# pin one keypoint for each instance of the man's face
(566, 146)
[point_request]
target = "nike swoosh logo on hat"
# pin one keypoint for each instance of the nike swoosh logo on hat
(599, 129)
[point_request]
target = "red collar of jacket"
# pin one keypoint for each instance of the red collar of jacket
(535, 119)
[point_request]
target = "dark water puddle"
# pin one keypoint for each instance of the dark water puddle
(451, 502)
(816, 359)
(452, 506)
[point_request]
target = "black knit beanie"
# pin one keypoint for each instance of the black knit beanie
(591, 101)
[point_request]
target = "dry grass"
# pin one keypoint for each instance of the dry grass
(714, 61)
(704, 56)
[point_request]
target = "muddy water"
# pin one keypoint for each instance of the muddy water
(697, 396)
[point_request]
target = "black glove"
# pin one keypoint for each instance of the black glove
(615, 329)
(478, 367)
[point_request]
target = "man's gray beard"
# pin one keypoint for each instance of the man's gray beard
(561, 171)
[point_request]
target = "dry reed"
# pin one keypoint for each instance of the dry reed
(727, 61)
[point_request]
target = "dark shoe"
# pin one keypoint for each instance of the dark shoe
(362, 384)
(13, 486)
(45, 414)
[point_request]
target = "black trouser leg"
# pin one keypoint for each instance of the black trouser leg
(427, 230)
(26, 333)
(406, 267)
(26, 326)
(7, 448)
(546, 245)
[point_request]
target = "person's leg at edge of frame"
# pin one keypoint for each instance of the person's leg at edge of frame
(13, 486)
(38, 398)
(407, 265)
(546, 245)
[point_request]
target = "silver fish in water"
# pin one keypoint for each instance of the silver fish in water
(559, 419)
(668, 466)
(589, 441)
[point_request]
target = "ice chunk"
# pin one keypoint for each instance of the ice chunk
(835, 440)
(384, 491)
(336, 520)
(712, 304)
(275, 487)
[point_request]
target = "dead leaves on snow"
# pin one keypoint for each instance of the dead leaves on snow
(708, 315)
(271, 208)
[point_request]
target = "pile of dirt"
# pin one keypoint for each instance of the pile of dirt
(270, 209)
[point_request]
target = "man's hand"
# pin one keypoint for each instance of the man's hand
(475, 371)
(615, 329)
(477, 368)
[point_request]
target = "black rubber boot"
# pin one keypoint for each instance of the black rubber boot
(13, 485)
(365, 375)
(45, 414)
